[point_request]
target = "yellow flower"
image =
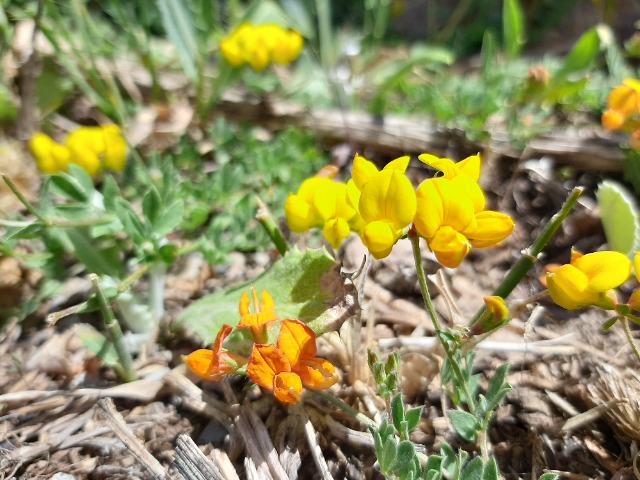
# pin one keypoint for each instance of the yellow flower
(386, 201)
(92, 148)
(261, 45)
(634, 300)
(588, 280)
(623, 102)
(322, 203)
(115, 152)
(51, 157)
(452, 218)
(470, 166)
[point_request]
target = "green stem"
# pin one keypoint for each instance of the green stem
(632, 342)
(361, 417)
(271, 227)
(114, 332)
(422, 279)
(530, 255)
(27, 204)
(123, 286)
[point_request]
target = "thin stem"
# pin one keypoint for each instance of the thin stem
(530, 255)
(422, 279)
(361, 417)
(114, 332)
(27, 204)
(271, 227)
(632, 342)
(123, 286)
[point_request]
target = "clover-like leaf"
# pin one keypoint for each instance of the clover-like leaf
(306, 286)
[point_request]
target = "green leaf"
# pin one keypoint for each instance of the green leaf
(406, 452)
(583, 54)
(389, 454)
(620, 218)
(168, 219)
(473, 470)
(513, 28)
(65, 185)
(413, 417)
(549, 476)
(130, 221)
(397, 411)
(491, 471)
(465, 424)
(96, 259)
(83, 178)
(178, 22)
(304, 285)
(377, 442)
(498, 388)
(151, 205)
(110, 192)
(33, 230)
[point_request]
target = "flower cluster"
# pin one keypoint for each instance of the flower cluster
(381, 205)
(261, 45)
(623, 110)
(92, 148)
(283, 366)
(590, 280)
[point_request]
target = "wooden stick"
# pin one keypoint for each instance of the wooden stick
(116, 422)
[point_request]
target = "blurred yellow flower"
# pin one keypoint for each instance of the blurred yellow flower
(92, 148)
(623, 103)
(452, 218)
(261, 45)
(51, 157)
(588, 280)
(386, 201)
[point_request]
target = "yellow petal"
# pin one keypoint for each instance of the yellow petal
(401, 164)
(362, 171)
(115, 154)
(232, 52)
(449, 246)
(497, 308)
(296, 341)
(301, 215)
(491, 228)
(634, 300)
(335, 231)
(287, 387)
(430, 211)
(445, 165)
(265, 363)
(605, 270)
(388, 196)
(567, 286)
(379, 238)
(470, 166)
(636, 265)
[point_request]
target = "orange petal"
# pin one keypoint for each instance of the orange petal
(265, 363)
(297, 341)
(317, 373)
(200, 362)
(287, 387)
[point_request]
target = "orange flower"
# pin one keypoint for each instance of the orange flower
(214, 364)
(284, 368)
(265, 313)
